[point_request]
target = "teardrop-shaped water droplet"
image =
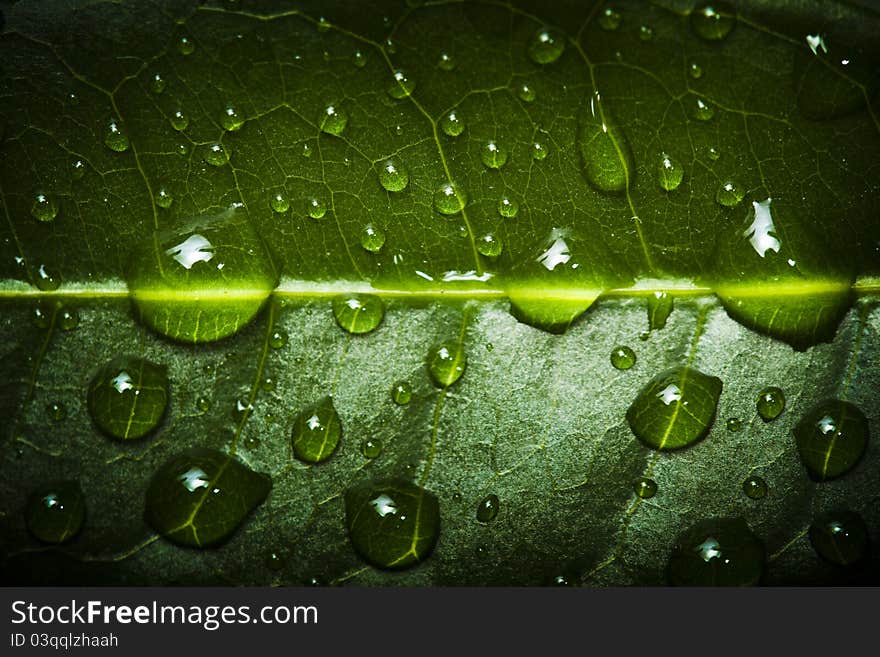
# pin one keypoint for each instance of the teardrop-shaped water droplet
(622, 357)
(358, 313)
(605, 151)
(216, 154)
(185, 46)
(507, 207)
(231, 119)
(279, 203)
(55, 512)
(755, 487)
(670, 172)
(402, 86)
(401, 393)
(488, 508)
(831, 438)
(609, 19)
(57, 411)
(546, 46)
(771, 402)
(526, 93)
(333, 120)
(493, 154)
(316, 208)
(179, 120)
(718, 552)
(393, 176)
(446, 363)
(489, 245)
(660, 306)
(128, 396)
(450, 198)
(840, 537)
(371, 448)
(44, 208)
(115, 137)
(713, 21)
(452, 124)
(372, 238)
(393, 524)
(729, 194)
(645, 488)
(316, 432)
(446, 62)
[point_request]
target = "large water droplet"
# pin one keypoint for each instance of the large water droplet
(115, 137)
(730, 194)
(670, 172)
(451, 124)
(393, 524)
(278, 339)
(840, 537)
(701, 109)
(372, 238)
(44, 208)
(507, 207)
(446, 363)
(660, 306)
(719, 552)
(493, 154)
(488, 507)
(831, 438)
(316, 432)
(47, 278)
(393, 176)
(604, 149)
(55, 512)
(450, 198)
(539, 151)
(316, 208)
(695, 70)
(279, 203)
(526, 93)
(358, 313)
(622, 357)
(333, 120)
(713, 21)
(755, 487)
(489, 245)
(645, 488)
(402, 86)
(770, 403)
(546, 46)
(675, 409)
(68, 320)
(163, 198)
(127, 398)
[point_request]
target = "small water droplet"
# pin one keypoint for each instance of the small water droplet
(507, 207)
(717, 552)
(268, 383)
(489, 245)
(729, 194)
(546, 46)
(669, 172)
(316, 208)
(402, 86)
(333, 120)
(47, 278)
(68, 320)
(241, 410)
(77, 169)
(539, 151)
(307, 150)
(216, 154)
(702, 110)
(526, 93)
(622, 357)
(831, 438)
(55, 512)
(371, 448)
(645, 488)
(359, 59)
(128, 396)
(840, 537)
(446, 363)
(609, 19)
(278, 339)
(493, 154)
(44, 208)
(646, 33)
(179, 120)
(316, 432)
(488, 508)
(157, 83)
(450, 198)
(695, 70)
(401, 393)
(203, 404)
(57, 411)
(323, 24)
(279, 203)
(231, 120)
(358, 313)
(755, 487)
(389, 46)
(452, 124)
(115, 137)
(734, 424)
(713, 21)
(446, 62)
(372, 238)
(41, 317)
(713, 153)
(164, 199)
(185, 46)
(771, 402)
(393, 176)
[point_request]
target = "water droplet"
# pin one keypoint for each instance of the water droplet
(55, 512)
(47, 278)
(489, 245)
(68, 320)
(493, 154)
(702, 110)
(199, 497)
(278, 339)
(755, 487)
(546, 46)
(316, 432)
(609, 19)
(729, 194)
(695, 70)
(44, 208)
(274, 561)
(734, 424)
(241, 410)
(393, 176)
(128, 396)
(279, 203)
(115, 137)
(645, 488)
(488, 508)
(372, 238)
(333, 120)
(646, 33)
(57, 411)
(508, 207)
(622, 357)
(179, 120)
(660, 306)
(157, 83)
(526, 93)
(77, 169)
(371, 448)
(268, 383)
(41, 317)
(231, 120)
(561, 580)
(446, 62)
(713, 21)
(358, 313)
(183, 149)
(216, 154)
(392, 524)
(401, 393)
(831, 438)
(770, 403)
(674, 409)
(203, 404)
(316, 208)
(718, 552)
(323, 24)
(164, 199)
(446, 363)
(402, 86)
(185, 46)
(840, 537)
(359, 59)
(389, 46)
(713, 153)
(605, 151)
(539, 151)
(450, 198)
(451, 124)
(669, 172)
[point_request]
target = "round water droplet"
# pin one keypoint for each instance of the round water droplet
(392, 524)
(179, 120)
(47, 278)
(185, 46)
(268, 383)
(526, 93)
(489, 245)
(393, 176)
(216, 154)
(669, 172)
(55, 512)
(41, 317)
(57, 411)
(539, 151)
(115, 137)
(831, 438)
(561, 580)
(316, 208)
(203, 404)
(713, 153)
(68, 320)
(231, 119)
(371, 448)
(402, 86)
(488, 508)
(279, 203)
(446, 62)
(77, 169)
(702, 110)
(333, 120)
(157, 83)
(609, 19)
(358, 313)
(278, 339)
(713, 21)
(755, 487)
(493, 154)
(44, 208)
(316, 432)
(452, 124)
(840, 537)
(771, 402)
(163, 198)
(450, 198)
(389, 46)
(307, 150)
(127, 398)
(446, 363)
(323, 24)
(274, 561)
(695, 70)
(729, 194)
(372, 238)
(719, 552)
(546, 46)
(645, 488)
(646, 33)
(401, 393)
(622, 357)
(507, 207)
(359, 59)
(241, 410)
(734, 424)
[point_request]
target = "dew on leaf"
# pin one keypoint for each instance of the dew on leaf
(729, 194)
(57, 411)
(771, 402)
(268, 383)
(163, 198)
(41, 317)
(323, 24)
(755, 487)
(68, 320)
(216, 154)
(701, 110)
(316, 432)
(279, 203)
(539, 151)
(393, 176)
(185, 46)
(493, 154)
(489, 245)
(717, 552)
(157, 83)
(695, 70)
(840, 537)
(372, 238)
(831, 438)
(55, 512)
(358, 313)
(274, 561)
(450, 198)
(392, 524)
(402, 86)
(231, 119)
(487, 508)
(670, 172)
(622, 357)
(452, 124)
(179, 120)
(47, 278)
(609, 19)
(44, 208)
(713, 153)
(333, 120)
(733, 424)
(278, 339)
(128, 397)
(446, 363)
(359, 59)
(446, 62)
(605, 152)
(241, 410)
(645, 488)
(401, 393)
(646, 33)
(713, 21)
(660, 306)
(546, 46)
(526, 93)
(115, 137)
(508, 207)
(371, 448)
(203, 404)
(77, 169)
(316, 208)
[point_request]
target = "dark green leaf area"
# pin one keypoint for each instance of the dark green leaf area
(393, 524)
(717, 552)
(675, 409)
(840, 537)
(316, 432)
(204, 280)
(127, 398)
(199, 497)
(56, 511)
(831, 438)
